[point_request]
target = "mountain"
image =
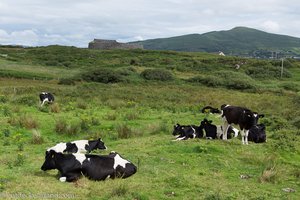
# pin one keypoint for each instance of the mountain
(239, 40)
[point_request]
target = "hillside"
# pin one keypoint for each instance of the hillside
(132, 99)
(237, 41)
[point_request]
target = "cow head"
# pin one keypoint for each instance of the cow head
(204, 123)
(49, 161)
(99, 144)
(177, 129)
(257, 116)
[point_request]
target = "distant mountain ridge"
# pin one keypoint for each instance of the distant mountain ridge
(237, 41)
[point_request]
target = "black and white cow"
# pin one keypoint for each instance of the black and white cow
(215, 131)
(94, 167)
(46, 97)
(209, 109)
(240, 116)
(257, 133)
(184, 132)
(78, 146)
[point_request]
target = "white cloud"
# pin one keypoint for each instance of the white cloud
(25, 37)
(74, 22)
(271, 26)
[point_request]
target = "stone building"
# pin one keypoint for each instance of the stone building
(112, 44)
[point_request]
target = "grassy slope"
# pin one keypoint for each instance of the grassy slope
(236, 40)
(194, 169)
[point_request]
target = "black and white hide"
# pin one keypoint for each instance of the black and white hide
(94, 167)
(184, 132)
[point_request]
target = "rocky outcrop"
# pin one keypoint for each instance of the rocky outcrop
(112, 44)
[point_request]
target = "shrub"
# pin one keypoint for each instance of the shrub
(269, 173)
(27, 100)
(28, 122)
(291, 86)
(3, 99)
(102, 75)
(6, 132)
(157, 74)
(66, 81)
(19, 160)
(285, 140)
(36, 137)
(82, 104)
(55, 108)
(209, 80)
(61, 126)
(124, 131)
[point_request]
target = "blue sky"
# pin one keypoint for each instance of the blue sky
(75, 23)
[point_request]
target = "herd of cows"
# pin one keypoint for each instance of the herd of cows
(72, 159)
(245, 119)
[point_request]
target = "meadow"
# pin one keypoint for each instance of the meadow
(132, 100)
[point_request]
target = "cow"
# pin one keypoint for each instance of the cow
(94, 167)
(184, 132)
(78, 146)
(209, 109)
(46, 97)
(215, 131)
(257, 133)
(243, 117)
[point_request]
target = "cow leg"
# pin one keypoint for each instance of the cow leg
(246, 136)
(225, 130)
(69, 177)
(43, 102)
(180, 138)
(243, 136)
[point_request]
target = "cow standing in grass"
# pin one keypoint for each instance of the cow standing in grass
(240, 116)
(46, 97)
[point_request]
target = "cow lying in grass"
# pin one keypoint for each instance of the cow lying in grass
(94, 167)
(215, 131)
(257, 133)
(184, 132)
(78, 146)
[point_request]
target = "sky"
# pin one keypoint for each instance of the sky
(77, 22)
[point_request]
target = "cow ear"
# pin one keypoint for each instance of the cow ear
(210, 121)
(261, 116)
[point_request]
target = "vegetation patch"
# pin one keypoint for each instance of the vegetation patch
(157, 74)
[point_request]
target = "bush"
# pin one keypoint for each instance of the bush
(36, 137)
(291, 86)
(285, 140)
(210, 81)
(157, 74)
(124, 131)
(102, 76)
(27, 100)
(66, 81)
(28, 122)
(3, 99)
(55, 108)
(62, 127)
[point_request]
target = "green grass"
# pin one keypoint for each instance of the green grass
(136, 118)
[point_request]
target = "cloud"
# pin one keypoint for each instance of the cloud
(25, 37)
(71, 22)
(271, 26)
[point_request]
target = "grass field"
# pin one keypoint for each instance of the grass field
(135, 118)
